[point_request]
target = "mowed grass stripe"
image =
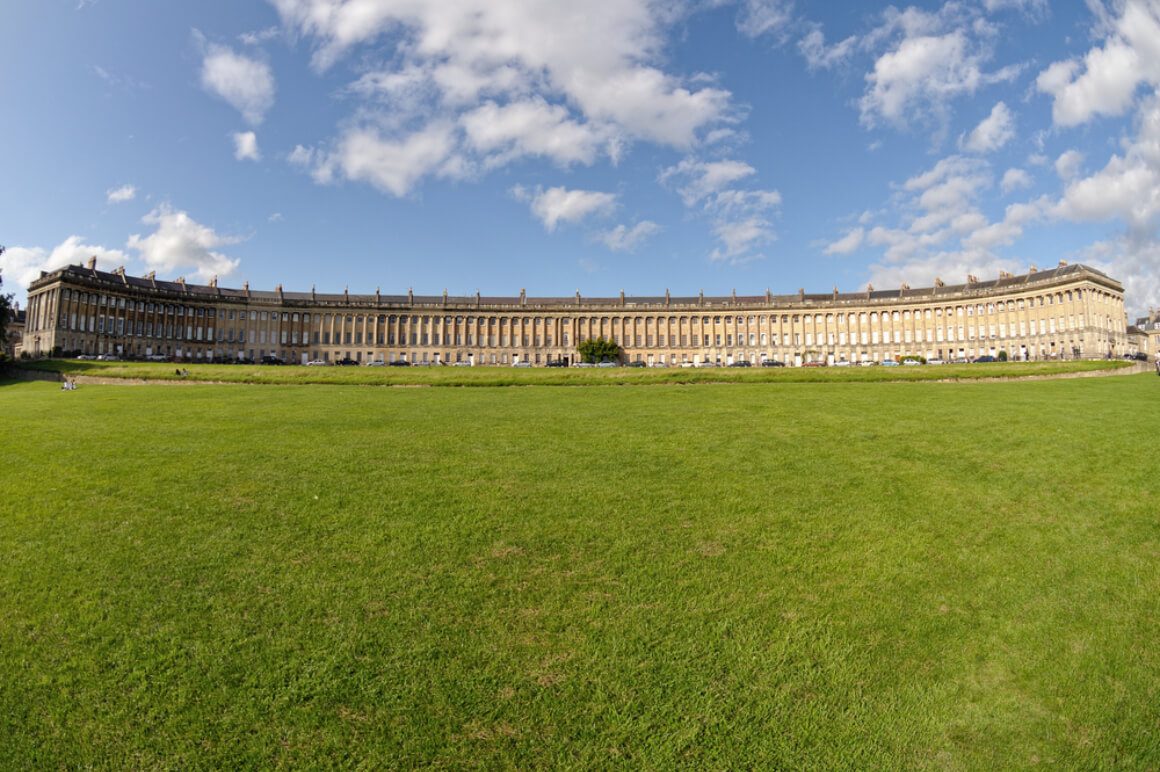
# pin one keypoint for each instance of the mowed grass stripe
(842, 576)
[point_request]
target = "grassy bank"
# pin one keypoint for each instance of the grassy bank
(847, 576)
(508, 376)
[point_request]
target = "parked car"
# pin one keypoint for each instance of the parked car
(522, 363)
(584, 364)
(318, 363)
(813, 364)
(556, 363)
(109, 358)
(935, 362)
(658, 364)
(272, 360)
(843, 363)
(636, 364)
(608, 364)
(740, 363)
(911, 362)
(889, 363)
(346, 362)
(399, 363)
(706, 363)
(772, 363)
(462, 364)
(984, 359)
(376, 363)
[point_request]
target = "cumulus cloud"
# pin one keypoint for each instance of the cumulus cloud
(180, 243)
(1014, 179)
(556, 205)
(121, 194)
(1068, 164)
(1106, 80)
(625, 239)
(246, 146)
(739, 239)
(848, 244)
(20, 266)
(993, 132)
(515, 78)
(696, 180)
(533, 128)
(393, 165)
(820, 56)
(739, 219)
(246, 83)
(931, 58)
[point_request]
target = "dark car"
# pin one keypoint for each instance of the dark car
(399, 363)
(272, 360)
(772, 363)
(556, 363)
(346, 362)
(636, 364)
(985, 359)
(740, 363)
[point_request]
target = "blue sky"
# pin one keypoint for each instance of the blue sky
(612, 145)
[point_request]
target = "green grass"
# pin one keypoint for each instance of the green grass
(819, 576)
(508, 376)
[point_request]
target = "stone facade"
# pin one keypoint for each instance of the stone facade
(1148, 334)
(1070, 311)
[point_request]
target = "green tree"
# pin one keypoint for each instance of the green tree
(1003, 355)
(5, 309)
(598, 350)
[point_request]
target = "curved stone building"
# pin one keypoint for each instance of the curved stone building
(1071, 311)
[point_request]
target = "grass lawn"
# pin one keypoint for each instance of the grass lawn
(742, 576)
(542, 376)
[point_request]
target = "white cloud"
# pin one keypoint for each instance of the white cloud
(247, 84)
(121, 194)
(1068, 164)
(259, 36)
(931, 58)
(1106, 81)
(276, 217)
(246, 146)
(533, 128)
(993, 132)
(556, 205)
(820, 56)
(392, 165)
(602, 61)
(20, 266)
(696, 180)
(740, 237)
(1014, 179)
(761, 17)
(182, 244)
(922, 73)
(848, 244)
(625, 239)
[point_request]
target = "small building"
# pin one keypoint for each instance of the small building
(14, 333)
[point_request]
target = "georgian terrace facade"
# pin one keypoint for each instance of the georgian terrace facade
(1071, 311)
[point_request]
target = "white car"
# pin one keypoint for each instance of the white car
(376, 363)
(843, 363)
(608, 364)
(935, 362)
(317, 363)
(522, 363)
(462, 364)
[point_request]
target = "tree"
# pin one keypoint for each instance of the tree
(598, 350)
(5, 309)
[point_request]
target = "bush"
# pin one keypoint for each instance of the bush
(1003, 355)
